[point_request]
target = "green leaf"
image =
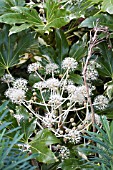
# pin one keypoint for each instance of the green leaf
(48, 51)
(5, 6)
(16, 29)
(28, 127)
(105, 60)
(22, 111)
(22, 15)
(76, 78)
(78, 51)
(104, 19)
(33, 79)
(107, 6)
(11, 47)
(56, 17)
(109, 90)
(45, 154)
(2, 71)
(71, 164)
(46, 137)
(40, 145)
(62, 46)
(3, 106)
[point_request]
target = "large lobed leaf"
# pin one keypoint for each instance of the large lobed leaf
(11, 47)
(40, 145)
(5, 6)
(28, 17)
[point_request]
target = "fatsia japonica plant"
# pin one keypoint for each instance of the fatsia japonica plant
(56, 69)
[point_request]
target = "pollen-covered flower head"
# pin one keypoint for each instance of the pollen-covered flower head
(15, 95)
(18, 117)
(71, 88)
(100, 102)
(88, 118)
(40, 85)
(73, 136)
(55, 100)
(20, 83)
(69, 63)
(51, 68)
(52, 83)
(64, 152)
(34, 67)
(91, 73)
(7, 78)
(49, 120)
(77, 97)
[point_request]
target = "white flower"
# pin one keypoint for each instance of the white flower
(51, 68)
(69, 63)
(55, 99)
(18, 117)
(52, 83)
(25, 147)
(7, 78)
(77, 97)
(20, 83)
(49, 120)
(64, 152)
(33, 67)
(71, 88)
(73, 135)
(100, 102)
(88, 118)
(91, 73)
(15, 95)
(40, 85)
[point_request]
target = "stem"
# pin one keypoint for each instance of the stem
(91, 45)
(33, 114)
(39, 76)
(72, 29)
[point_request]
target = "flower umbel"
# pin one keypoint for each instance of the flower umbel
(51, 68)
(53, 83)
(34, 67)
(100, 102)
(7, 78)
(20, 83)
(69, 63)
(15, 95)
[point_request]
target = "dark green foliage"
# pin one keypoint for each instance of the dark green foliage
(11, 157)
(102, 146)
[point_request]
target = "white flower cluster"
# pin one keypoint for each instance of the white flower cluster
(20, 83)
(55, 100)
(94, 64)
(51, 68)
(73, 135)
(7, 78)
(15, 95)
(91, 73)
(18, 117)
(88, 119)
(71, 88)
(40, 85)
(33, 67)
(64, 152)
(100, 102)
(49, 120)
(52, 83)
(69, 63)
(78, 94)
